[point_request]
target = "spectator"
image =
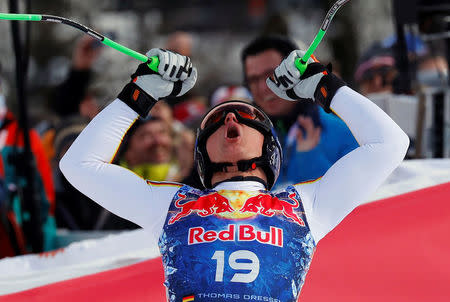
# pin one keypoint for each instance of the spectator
(376, 71)
(152, 150)
(74, 210)
(149, 151)
(432, 71)
(75, 105)
(414, 45)
(15, 210)
(190, 110)
(180, 42)
(72, 97)
(190, 107)
(184, 141)
(163, 111)
(377, 78)
(229, 92)
(427, 60)
(306, 132)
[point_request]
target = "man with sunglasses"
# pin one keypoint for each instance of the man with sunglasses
(236, 240)
(305, 131)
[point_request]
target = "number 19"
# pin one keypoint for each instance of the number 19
(253, 265)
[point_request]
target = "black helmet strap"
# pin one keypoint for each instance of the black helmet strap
(242, 165)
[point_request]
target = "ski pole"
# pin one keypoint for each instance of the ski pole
(300, 63)
(152, 62)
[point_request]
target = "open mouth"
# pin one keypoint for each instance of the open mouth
(232, 132)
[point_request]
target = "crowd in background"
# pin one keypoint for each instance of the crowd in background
(161, 146)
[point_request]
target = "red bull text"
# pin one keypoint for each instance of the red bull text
(243, 232)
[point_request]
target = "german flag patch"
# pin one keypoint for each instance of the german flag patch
(188, 298)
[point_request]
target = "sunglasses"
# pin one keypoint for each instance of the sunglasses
(242, 112)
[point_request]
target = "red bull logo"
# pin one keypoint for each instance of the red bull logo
(234, 232)
(268, 205)
(207, 205)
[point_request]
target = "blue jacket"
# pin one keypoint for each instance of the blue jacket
(336, 140)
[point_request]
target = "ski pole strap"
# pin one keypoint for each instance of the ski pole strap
(137, 99)
(326, 89)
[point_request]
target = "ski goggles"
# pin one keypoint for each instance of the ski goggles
(245, 113)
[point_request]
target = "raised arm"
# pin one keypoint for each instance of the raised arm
(351, 180)
(87, 164)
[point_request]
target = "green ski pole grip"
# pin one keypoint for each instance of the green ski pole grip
(301, 65)
(152, 62)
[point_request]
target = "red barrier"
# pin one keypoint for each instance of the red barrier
(393, 250)
(397, 249)
(138, 282)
